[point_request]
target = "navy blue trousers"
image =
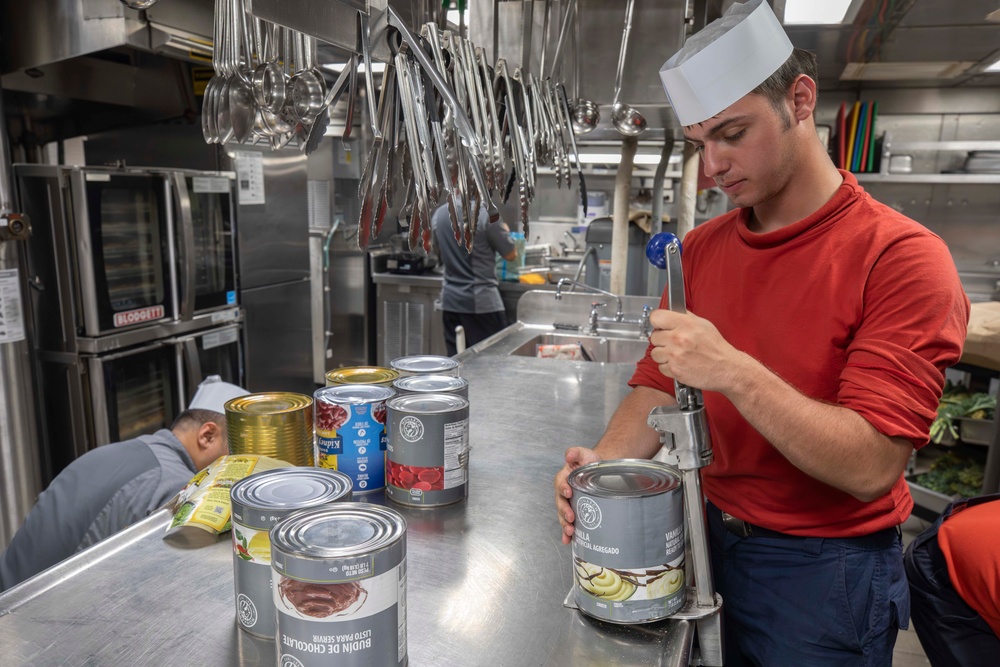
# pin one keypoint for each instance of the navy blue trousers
(808, 602)
(951, 632)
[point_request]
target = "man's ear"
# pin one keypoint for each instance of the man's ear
(803, 97)
(209, 436)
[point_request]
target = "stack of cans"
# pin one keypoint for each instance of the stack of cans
(277, 424)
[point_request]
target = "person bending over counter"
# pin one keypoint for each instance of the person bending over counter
(113, 486)
(820, 325)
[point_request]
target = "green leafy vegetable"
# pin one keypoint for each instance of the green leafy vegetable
(953, 475)
(957, 402)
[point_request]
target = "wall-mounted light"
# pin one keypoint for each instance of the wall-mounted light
(828, 12)
(377, 68)
(615, 158)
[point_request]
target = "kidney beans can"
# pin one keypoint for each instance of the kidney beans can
(350, 433)
(425, 364)
(432, 384)
(259, 501)
(339, 587)
(428, 449)
(628, 540)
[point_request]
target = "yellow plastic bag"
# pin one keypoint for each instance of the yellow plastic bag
(204, 502)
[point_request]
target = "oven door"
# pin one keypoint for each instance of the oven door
(124, 241)
(135, 392)
(214, 352)
(206, 253)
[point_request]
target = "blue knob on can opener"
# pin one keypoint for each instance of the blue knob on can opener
(664, 252)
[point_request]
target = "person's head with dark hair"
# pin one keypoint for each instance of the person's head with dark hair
(777, 87)
(745, 98)
(202, 427)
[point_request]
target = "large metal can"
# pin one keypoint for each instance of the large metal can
(258, 502)
(628, 540)
(428, 449)
(425, 364)
(432, 384)
(350, 432)
(361, 375)
(339, 583)
(275, 424)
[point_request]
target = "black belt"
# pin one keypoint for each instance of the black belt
(879, 540)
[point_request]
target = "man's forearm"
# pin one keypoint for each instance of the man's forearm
(829, 442)
(627, 435)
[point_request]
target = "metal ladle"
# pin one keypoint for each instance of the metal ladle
(627, 120)
(585, 114)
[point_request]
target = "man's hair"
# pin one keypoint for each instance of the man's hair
(195, 419)
(775, 87)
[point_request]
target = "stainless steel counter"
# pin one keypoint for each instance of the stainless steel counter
(487, 577)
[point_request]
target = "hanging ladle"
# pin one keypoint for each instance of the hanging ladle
(626, 119)
(585, 114)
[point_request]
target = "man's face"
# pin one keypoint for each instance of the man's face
(747, 149)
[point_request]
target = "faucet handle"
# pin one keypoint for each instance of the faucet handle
(598, 304)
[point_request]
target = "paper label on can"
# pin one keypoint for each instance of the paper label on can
(352, 439)
(353, 623)
(628, 556)
(252, 576)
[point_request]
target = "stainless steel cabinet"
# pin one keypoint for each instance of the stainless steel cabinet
(408, 322)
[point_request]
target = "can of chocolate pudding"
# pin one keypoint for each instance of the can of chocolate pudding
(361, 375)
(258, 503)
(339, 587)
(432, 384)
(350, 432)
(425, 364)
(628, 540)
(428, 449)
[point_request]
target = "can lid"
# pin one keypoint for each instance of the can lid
(354, 394)
(269, 403)
(427, 403)
(361, 375)
(336, 531)
(290, 489)
(430, 384)
(624, 478)
(424, 363)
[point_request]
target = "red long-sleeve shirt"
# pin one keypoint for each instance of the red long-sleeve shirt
(855, 305)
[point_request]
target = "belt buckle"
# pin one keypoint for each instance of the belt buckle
(737, 527)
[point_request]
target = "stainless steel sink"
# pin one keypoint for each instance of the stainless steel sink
(596, 348)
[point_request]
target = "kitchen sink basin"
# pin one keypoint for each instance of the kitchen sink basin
(599, 348)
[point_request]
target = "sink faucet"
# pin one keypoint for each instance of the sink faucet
(594, 317)
(576, 246)
(594, 290)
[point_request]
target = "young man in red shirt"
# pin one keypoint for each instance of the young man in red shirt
(820, 324)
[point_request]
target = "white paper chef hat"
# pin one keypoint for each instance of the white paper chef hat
(723, 62)
(213, 394)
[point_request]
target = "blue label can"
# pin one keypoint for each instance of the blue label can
(350, 433)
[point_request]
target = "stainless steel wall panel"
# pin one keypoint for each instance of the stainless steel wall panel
(279, 337)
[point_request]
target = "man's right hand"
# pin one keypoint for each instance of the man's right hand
(575, 457)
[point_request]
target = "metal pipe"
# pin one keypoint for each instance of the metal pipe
(619, 229)
(20, 467)
(689, 191)
(656, 224)
(694, 509)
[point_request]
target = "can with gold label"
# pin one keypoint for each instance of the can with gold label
(361, 375)
(275, 424)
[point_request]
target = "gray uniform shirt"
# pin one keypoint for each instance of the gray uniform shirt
(95, 496)
(470, 279)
